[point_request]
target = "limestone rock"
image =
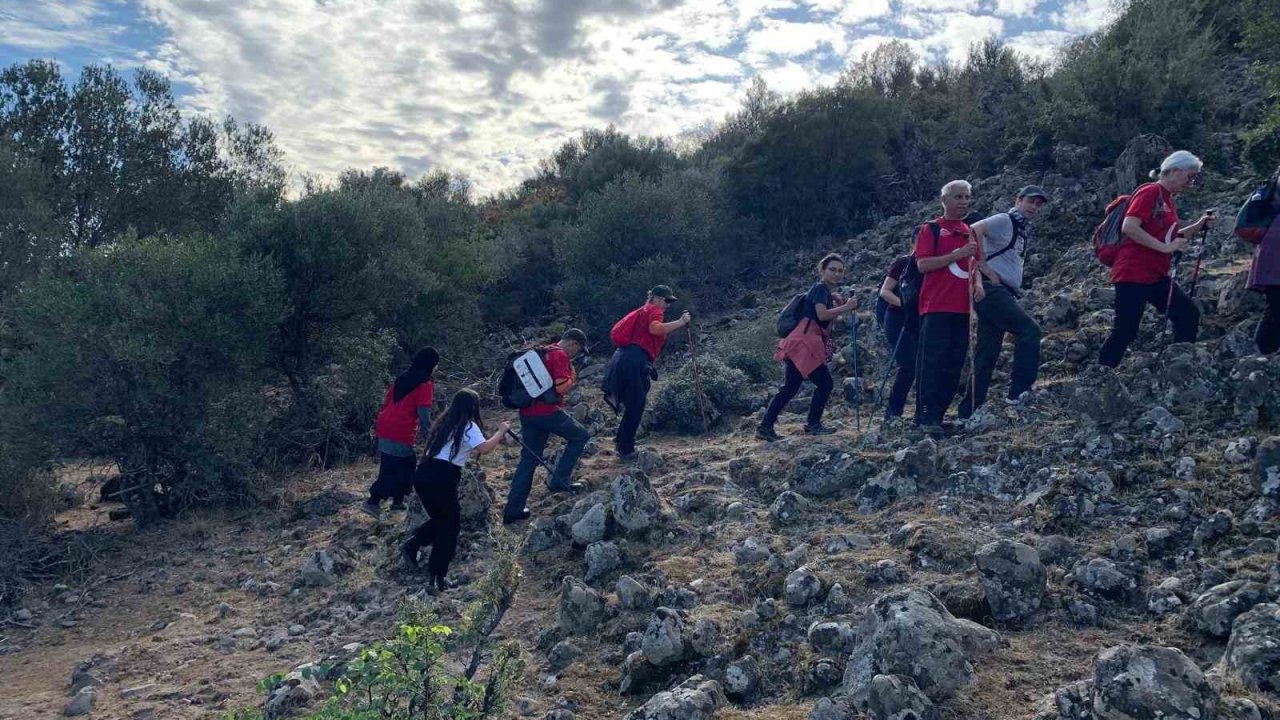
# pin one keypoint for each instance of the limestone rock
(695, 699)
(581, 610)
(802, 587)
(1216, 609)
(636, 506)
(1013, 578)
(1150, 682)
(1253, 652)
(591, 528)
(896, 697)
(664, 641)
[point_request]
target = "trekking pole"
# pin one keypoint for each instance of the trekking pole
(535, 455)
(1204, 239)
(697, 380)
(857, 381)
(1168, 300)
(893, 359)
(973, 360)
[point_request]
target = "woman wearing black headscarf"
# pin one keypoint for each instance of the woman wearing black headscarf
(405, 409)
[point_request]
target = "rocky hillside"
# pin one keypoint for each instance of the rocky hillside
(1104, 553)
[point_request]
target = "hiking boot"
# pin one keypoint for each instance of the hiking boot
(934, 431)
(626, 457)
(572, 488)
(512, 519)
(372, 509)
(767, 434)
(1022, 399)
(818, 429)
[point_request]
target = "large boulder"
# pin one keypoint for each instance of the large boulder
(582, 609)
(1253, 652)
(694, 699)
(1131, 682)
(1217, 608)
(822, 474)
(1013, 578)
(635, 504)
(896, 697)
(1143, 153)
(664, 642)
(910, 632)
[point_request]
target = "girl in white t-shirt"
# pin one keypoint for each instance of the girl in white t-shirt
(455, 436)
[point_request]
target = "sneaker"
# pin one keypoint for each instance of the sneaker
(1023, 398)
(818, 429)
(512, 519)
(372, 509)
(767, 434)
(572, 488)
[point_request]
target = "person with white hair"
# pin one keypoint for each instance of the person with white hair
(1141, 271)
(946, 253)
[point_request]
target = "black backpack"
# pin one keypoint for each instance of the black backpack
(911, 280)
(791, 315)
(512, 391)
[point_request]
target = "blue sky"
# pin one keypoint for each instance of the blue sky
(488, 87)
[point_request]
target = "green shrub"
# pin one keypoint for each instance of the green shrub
(150, 352)
(725, 390)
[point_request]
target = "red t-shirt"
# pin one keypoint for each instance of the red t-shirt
(398, 421)
(945, 290)
(645, 315)
(1153, 205)
(562, 374)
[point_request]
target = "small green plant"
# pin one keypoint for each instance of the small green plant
(725, 389)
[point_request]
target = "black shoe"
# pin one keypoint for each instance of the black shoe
(512, 519)
(818, 429)
(409, 552)
(627, 456)
(572, 488)
(767, 434)
(398, 506)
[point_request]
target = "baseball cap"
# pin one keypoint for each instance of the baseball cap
(1033, 191)
(575, 335)
(664, 292)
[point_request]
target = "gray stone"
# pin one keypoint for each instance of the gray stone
(828, 709)
(1150, 682)
(1253, 652)
(636, 671)
(788, 507)
(704, 640)
(1238, 709)
(1069, 702)
(1082, 613)
(602, 557)
(138, 691)
(695, 699)
(1158, 421)
(664, 642)
(1056, 550)
(1216, 610)
(910, 632)
(632, 595)
(562, 655)
(320, 569)
(1099, 394)
(1214, 528)
(636, 506)
(1267, 467)
(826, 474)
(742, 677)
(752, 551)
(543, 535)
(1013, 579)
(82, 703)
(1104, 578)
(581, 610)
(591, 528)
(831, 638)
(896, 697)
(1238, 451)
(884, 489)
(297, 689)
(802, 587)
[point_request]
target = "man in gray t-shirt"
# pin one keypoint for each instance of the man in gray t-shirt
(1004, 238)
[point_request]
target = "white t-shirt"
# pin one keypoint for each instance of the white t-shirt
(470, 439)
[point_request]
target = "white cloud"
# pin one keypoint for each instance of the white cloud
(915, 6)
(47, 25)
(1086, 16)
(1040, 44)
(850, 12)
(954, 33)
(1017, 8)
(779, 38)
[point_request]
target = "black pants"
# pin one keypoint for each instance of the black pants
(1000, 313)
(1267, 336)
(944, 342)
(535, 433)
(633, 383)
(436, 482)
(1131, 300)
(902, 332)
(395, 478)
(822, 383)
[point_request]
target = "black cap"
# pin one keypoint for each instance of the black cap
(663, 292)
(1033, 191)
(575, 335)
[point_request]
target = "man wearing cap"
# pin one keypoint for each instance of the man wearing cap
(1004, 238)
(639, 337)
(541, 420)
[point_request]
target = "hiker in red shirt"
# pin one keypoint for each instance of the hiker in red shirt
(639, 337)
(946, 254)
(805, 351)
(406, 408)
(1140, 273)
(540, 421)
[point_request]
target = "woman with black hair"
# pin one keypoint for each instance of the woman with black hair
(457, 435)
(405, 409)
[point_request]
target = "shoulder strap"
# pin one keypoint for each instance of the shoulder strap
(937, 234)
(1012, 242)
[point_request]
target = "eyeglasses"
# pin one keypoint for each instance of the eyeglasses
(836, 270)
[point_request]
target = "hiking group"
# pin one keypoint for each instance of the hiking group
(959, 267)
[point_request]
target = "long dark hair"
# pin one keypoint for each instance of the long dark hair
(423, 367)
(450, 427)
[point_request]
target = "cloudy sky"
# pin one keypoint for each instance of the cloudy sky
(488, 87)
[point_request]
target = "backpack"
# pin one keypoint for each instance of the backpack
(912, 280)
(1257, 214)
(525, 380)
(624, 331)
(791, 315)
(1012, 242)
(1108, 236)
